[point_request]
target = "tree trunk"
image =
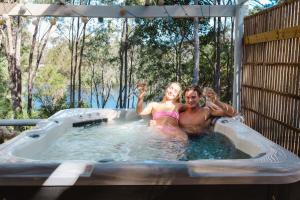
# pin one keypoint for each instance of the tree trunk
(132, 102)
(12, 44)
(80, 103)
(40, 52)
(18, 73)
(196, 47)
(176, 64)
(120, 100)
(97, 94)
(72, 64)
(104, 95)
(102, 89)
(180, 55)
(218, 57)
(230, 78)
(179, 62)
(130, 77)
(75, 59)
(30, 70)
(125, 64)
(92, 80)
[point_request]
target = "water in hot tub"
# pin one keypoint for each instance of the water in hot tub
(134, 141)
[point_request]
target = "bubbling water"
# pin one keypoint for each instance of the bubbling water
(119, 141)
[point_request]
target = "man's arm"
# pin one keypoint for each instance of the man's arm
(182, 108)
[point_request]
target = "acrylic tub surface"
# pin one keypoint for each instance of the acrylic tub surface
(270, 163)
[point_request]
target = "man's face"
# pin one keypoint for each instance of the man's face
(192, 99)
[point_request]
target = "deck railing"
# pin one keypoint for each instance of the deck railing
(19, 122)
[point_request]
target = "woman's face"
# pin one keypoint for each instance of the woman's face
(209, 93)
(172, 92)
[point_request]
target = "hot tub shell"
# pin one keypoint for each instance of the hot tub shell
(270, 164)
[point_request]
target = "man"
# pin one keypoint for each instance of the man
(195, 119)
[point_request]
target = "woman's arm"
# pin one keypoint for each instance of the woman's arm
(147, 110)
(139, 107)
(218, 108)
(227, 109)
(215, 110)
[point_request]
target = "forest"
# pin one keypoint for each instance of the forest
(48, 64)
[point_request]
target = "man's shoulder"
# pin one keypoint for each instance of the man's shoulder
(200, 112)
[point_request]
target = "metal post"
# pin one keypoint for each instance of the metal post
(240, 12)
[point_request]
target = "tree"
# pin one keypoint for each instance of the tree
(197, 51)
(85, 21)
(39, 53)
(217, 51)
(102, 76)
(11, 41)
(5, 104)
(50, 90)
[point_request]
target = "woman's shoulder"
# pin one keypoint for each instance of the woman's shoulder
(154, 104)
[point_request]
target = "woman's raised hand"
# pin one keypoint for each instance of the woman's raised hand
(212, 106)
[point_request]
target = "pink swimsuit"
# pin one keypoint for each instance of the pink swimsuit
(169, 129)
(173, 114)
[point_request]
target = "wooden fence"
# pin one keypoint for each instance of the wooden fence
(271, 74)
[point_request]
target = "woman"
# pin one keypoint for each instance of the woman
(164, 114)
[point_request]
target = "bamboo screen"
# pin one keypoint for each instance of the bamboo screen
(271, 74)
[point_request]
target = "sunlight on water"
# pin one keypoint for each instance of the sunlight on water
(124, 142)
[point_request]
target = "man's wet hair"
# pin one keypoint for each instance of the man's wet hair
(197, 89)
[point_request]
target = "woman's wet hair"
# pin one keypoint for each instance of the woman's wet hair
(207, 89)
(197, 89)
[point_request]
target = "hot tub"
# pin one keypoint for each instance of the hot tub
(270, 170)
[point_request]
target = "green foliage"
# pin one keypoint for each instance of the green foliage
(25, 49)
(167, 43)
(50, 90)
(59, 56)
(5, 104)
(101, 61)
